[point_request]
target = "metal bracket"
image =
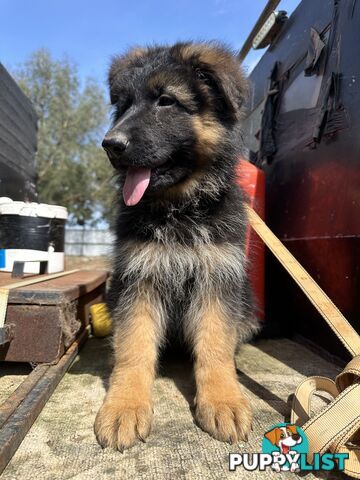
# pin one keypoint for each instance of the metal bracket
(18, 267)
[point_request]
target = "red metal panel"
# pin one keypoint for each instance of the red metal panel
(252, 181)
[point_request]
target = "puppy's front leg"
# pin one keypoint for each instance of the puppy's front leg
(221, 408)
(126, 413)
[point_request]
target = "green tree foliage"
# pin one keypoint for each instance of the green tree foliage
(72, 168)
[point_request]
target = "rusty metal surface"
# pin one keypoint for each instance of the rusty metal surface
(38, 334)
(8, 407)
(20, 420)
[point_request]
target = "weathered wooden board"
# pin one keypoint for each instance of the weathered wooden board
(48, 316)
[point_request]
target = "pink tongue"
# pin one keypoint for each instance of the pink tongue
(136, 182)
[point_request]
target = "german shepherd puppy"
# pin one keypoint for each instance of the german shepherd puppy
(179, 268)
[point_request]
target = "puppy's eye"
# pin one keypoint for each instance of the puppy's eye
(123, 106)
(165, 101)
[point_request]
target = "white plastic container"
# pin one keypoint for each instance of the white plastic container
(31, 232)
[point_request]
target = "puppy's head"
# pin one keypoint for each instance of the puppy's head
(286, 435)
(175, 109)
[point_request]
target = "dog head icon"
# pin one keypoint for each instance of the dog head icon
(284, 437)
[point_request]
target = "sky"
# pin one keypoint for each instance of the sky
(89, 32)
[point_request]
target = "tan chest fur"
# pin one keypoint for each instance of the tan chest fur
(174, 263)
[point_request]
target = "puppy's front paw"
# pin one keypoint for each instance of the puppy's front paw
(227, 417)
(119, 424)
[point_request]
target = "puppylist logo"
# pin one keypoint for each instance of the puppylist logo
(284, 449)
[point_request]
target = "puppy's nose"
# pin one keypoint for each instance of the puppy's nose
(115, 144)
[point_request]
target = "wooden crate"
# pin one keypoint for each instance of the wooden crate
(48, 316)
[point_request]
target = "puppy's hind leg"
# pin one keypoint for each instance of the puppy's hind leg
(126, 413)
(221, 408)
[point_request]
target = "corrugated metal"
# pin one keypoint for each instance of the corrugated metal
(89, 243)
(18, 142)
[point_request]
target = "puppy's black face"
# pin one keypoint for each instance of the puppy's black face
(152, 125)
(172, 113)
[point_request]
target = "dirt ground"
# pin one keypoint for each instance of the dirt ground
(87, 263)
(61, 444)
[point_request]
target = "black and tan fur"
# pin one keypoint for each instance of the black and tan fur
(179, 268)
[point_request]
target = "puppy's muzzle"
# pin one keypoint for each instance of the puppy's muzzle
(115, 145)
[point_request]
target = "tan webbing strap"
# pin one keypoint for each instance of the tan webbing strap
(4, 290)
(337, 426)
(316, 295)
(301, 407)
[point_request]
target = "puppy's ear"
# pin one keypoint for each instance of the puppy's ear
(273, 435)
(218, 69)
